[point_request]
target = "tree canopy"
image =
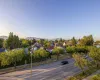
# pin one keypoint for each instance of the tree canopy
(12, 41)
(87, 41)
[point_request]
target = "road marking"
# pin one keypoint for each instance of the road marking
(49, 70)
(43, 71)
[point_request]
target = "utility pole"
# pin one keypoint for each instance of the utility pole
(31, 60)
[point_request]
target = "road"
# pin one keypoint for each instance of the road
(52, 71)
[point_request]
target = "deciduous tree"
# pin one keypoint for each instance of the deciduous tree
(80, 61)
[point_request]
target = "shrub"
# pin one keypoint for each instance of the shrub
(77, 49)
(10, 57)
(72, 78)
(41, 54)
(71, 49)
(81, 49)
(57, 51)
(96, 77)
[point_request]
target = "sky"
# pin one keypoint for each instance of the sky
(50, 18)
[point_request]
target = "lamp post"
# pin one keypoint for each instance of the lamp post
(31, 60)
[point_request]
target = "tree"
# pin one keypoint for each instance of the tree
(71, 49)
(46, 44)
(1, 43)
(41, 41)
(5, 43)
(16, 41)
(11, 57)
(41, 54)
(74, 42)
(24, 43)
(87, 41)
(71, 78)
(96, 77)
(12, 41)
(80, 61)
(57, 51)
(95, 55)
(33, 41)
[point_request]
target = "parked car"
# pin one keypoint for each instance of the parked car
(64, 62)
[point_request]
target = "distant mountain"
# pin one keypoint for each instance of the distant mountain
(31, 38)
(4, 37)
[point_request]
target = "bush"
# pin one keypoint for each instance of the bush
(77, 49)
(72, 78)
(41, 54)
(58, 50)
(71, 49)
(10, 57)
(96, 77)
(81, 49)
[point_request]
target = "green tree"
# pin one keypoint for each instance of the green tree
(74, 42)
(5, 43)
(33, 41)
(95, 55)
(95, 77)
(11, 57)
(24, 43)
(80, 61)
(71, 49)
(16, 41)
(41, 41)
(1, 43)
(41, 54)
(72, 78)
(57, 51)
(12, 41)
(87, 41)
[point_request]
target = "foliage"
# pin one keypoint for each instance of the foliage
(24, 43)
(74, 42)
(77, 49)
(96, 77)
(80, 61)
(10, 57)
(95, 55)
(57, 51)
(1, 43)
(41, 41)
(86, 41)
(5, 43)
(72, 78)
(71, 49)
(40, 54)
(46, 44)
(12, 41)
(82, 49)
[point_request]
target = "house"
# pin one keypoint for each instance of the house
(64, 44)
(97, 45)
(69, 43)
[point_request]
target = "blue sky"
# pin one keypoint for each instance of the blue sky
(50, 18)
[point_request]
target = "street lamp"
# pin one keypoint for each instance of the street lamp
(31, 52)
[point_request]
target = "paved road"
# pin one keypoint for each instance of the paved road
(53, 71)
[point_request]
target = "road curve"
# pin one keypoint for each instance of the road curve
(52, 71)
